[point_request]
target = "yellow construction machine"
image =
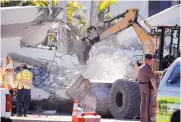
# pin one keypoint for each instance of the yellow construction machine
(161, 42)
(152, 42)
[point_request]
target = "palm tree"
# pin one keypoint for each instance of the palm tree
(100, 12)
(93, 14)
(75, 24)
(39, 3)
(8, 3)
(104, 11)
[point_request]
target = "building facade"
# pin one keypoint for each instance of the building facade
(155, 7)
(146, 8)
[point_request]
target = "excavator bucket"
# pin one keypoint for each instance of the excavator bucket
(83, 46)
(81, 90)
(82, 49)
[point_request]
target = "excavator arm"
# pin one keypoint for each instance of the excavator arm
(129, 18)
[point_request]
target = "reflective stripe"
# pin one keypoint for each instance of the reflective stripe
(74, 113)
(4, 82)
(6, 86)
(25, 80)
(75, 106)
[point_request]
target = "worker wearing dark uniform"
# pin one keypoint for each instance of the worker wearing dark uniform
(147, 84)
(23, 84)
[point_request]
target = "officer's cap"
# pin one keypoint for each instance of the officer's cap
(148, 57)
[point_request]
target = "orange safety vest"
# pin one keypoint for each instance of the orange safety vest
(4, 82)
(7, 77)
(25, 80)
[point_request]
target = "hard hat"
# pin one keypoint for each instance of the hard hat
(9, 66)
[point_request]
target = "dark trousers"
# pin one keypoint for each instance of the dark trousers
(23, 96)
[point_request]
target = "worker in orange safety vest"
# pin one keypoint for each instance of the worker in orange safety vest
(7, 79)
(23, 85)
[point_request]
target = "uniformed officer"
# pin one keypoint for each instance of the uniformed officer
(23, 84)
(147, 83)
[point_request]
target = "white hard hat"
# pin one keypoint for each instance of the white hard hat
(9, 66)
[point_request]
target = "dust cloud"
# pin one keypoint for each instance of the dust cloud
(111, 60)
(106, 67)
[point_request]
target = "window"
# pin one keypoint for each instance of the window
(164, 5)
(174, 78)
(157, 6)
(154, 7)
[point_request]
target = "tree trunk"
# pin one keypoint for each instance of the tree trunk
(93, 13)
(63, 47)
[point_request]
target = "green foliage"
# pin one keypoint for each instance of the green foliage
(4, 2)
(39, 3)
(104, 4)
(108, 15)
(80, 21)
(7, 3)
(83, 23)
(55, 2)
(105, 14)
(72, 7)
(104, 9)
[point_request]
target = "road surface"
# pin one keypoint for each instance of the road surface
(61, 118)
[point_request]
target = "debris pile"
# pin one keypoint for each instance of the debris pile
(109, 61)
(112, 60)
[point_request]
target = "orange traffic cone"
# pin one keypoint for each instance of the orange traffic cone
(75, 111)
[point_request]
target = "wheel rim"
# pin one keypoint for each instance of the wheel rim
(119, 99)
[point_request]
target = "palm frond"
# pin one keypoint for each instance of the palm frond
(55, 2)
(104, 4)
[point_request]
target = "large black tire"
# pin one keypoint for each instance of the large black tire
(176, 116)
(102, 93)
(125, 99)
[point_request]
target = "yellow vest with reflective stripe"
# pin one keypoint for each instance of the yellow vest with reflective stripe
(24, 79)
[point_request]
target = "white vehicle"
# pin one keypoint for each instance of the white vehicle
(6, 104)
